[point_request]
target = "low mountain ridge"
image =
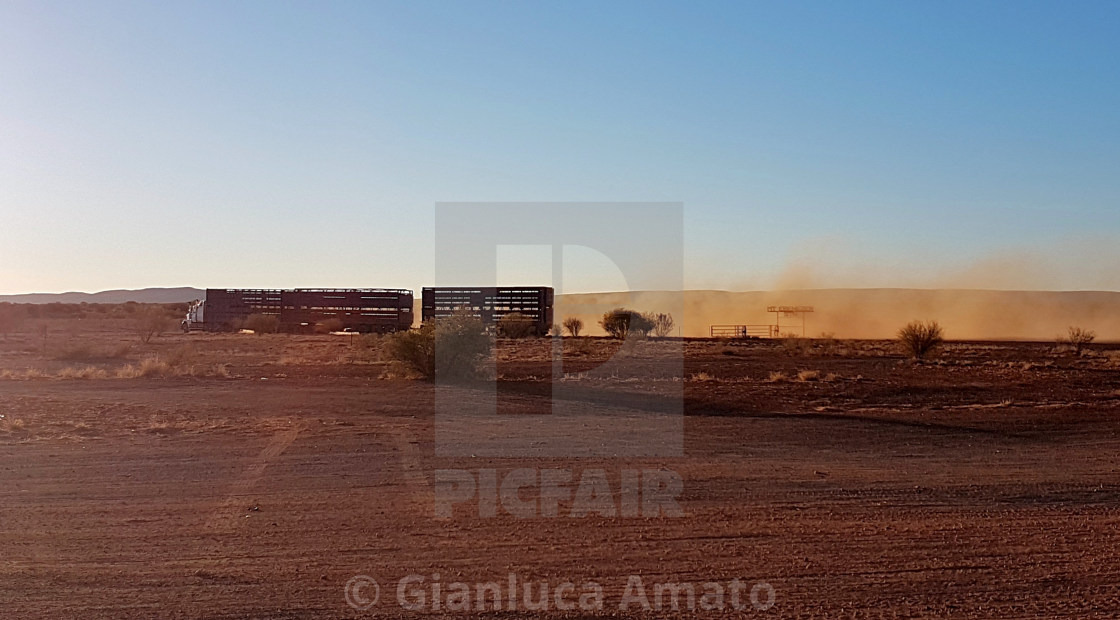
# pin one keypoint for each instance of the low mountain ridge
(119, 296)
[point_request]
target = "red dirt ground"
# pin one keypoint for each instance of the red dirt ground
(982, 484)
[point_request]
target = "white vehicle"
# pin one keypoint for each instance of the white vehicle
(195, 316)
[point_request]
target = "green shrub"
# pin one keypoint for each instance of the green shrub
(621, 322)
(414, 349)
(447, 349)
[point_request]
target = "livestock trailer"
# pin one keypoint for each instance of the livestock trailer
(374, 310)
(226, 309)
(490, 303)
(302, 310)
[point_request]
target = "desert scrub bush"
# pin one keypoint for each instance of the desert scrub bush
(809, 375)
(662, 324)
(920, 338)
(151, 322)
(262, 323)
(573, 326)
(516, 325)
(701, 376)
(461, 342)
(447, 349)
(414, 349)
(1078, 338)
(620, 323)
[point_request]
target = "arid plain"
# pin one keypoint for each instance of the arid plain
(242, 476)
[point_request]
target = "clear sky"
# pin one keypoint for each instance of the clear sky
(812, 143)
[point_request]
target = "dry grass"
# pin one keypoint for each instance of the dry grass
(294, 360)
(12, 425)
(578, 347)
(632, 344)
(84, 352)
(367, 349)
(777, 377)
(1112, 359)
(156, 367)
(809, 375)
(70, 354)
(148, 367)
(701, 376)
(25, 375)
(181, 355)
(84, 372)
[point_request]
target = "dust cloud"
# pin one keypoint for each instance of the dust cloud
(1024, 293)
(873, 313)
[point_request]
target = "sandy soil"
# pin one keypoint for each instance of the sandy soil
(981, 484)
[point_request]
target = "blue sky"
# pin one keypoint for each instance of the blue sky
(812, 143)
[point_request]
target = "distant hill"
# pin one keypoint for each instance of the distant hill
(144, 296)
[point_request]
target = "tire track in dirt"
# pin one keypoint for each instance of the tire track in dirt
(222, 520)
(412, 466)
